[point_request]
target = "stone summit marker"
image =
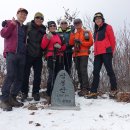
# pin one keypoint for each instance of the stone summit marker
(63, 94)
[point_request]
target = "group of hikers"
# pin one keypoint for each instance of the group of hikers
(24, 46)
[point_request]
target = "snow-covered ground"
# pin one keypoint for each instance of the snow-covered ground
(95, 114)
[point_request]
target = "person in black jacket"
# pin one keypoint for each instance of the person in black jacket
(35, 30)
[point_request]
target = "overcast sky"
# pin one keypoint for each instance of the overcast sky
(115, 11)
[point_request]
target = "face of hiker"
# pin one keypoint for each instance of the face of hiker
(38, 21)
(38, 18)
(98, 21)
(78, 25)
(63, 25)
(21, 16)
(52, 28)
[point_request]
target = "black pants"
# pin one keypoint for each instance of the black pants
(53, 68)
(15, 67)
(105, 59)
(68, 62)
(36, 63)
(81, 66)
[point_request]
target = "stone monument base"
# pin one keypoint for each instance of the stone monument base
(77, 108)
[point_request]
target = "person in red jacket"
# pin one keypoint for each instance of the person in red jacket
(52, 43)
(104, 46)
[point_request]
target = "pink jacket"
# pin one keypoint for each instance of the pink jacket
(10, 35)
(49, 44)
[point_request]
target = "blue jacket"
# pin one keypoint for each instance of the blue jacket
(65, 36)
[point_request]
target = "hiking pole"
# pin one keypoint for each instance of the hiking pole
(53, 71)
(76, 50)
(75, 64)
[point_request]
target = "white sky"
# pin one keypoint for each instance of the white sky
(115, 11)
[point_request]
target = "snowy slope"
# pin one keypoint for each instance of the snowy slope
(95, 114)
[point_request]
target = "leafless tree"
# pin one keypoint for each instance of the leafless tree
(68, 16)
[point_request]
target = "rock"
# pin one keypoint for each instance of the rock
(30, 122)
(123, 97)
(100, 116)
(37, 124)
(32, 107)
(63, 94)
(49, 113)
(33, 113)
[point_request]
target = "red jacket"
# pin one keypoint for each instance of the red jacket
(104, 44)
(10, 35)
(49, 44)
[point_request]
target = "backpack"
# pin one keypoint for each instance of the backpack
(86, 35)
(29, 27)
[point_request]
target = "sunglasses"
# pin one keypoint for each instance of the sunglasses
(52, 26)
(64, 23)
(41, 18)
(97, 18)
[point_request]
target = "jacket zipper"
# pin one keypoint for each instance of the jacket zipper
(96, 40)
(16, 40)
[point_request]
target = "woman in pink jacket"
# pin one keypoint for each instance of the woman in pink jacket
(51, 42)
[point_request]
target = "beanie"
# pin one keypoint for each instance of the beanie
(99, 14)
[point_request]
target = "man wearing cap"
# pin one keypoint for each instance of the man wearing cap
(14, 34)
(104, 46)
(35, 32)
(64, 32)
(82, 41)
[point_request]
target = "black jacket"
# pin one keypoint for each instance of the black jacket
(34, 38)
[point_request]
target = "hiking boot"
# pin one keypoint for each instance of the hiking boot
(13, 102)
(113, 94)
(83, 92)
(24, 97)
(5, 105)
(91, 95)
(36, 96)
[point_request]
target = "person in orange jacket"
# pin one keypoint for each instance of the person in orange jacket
(104, 46)
(81, 40)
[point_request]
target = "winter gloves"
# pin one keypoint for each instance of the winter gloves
(4, 23)
(57, 45)
(77, 41)
(49, 35)
(77, 45)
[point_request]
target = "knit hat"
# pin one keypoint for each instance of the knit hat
(99, 14)
(22, 10)
(39, 14)
(50, 23)
(63, 21)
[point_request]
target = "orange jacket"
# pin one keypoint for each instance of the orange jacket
(84, 46)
